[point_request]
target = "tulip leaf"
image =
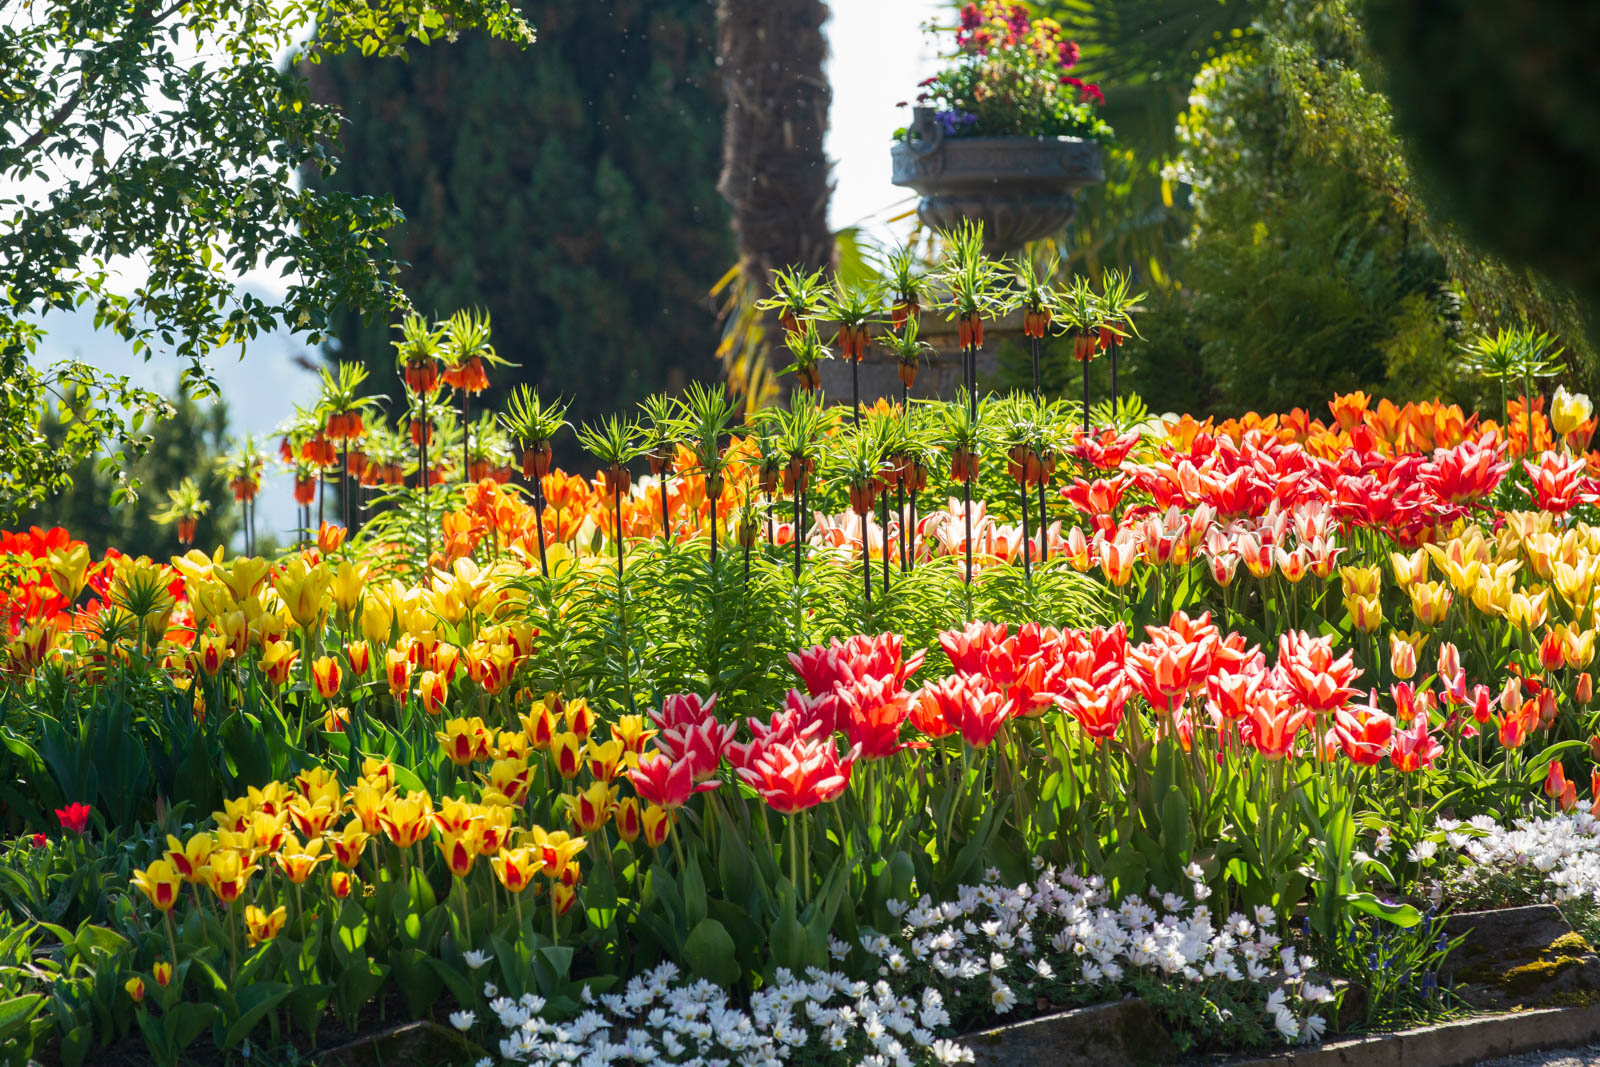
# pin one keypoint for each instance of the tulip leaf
(254, 1002)
(18, 1010)
(694, 890)
(1402, 915)
(710, 953)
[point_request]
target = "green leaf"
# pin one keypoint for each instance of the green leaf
(710, 953)
(1402, 915)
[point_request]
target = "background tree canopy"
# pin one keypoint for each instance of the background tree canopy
(1264, 196)
(570, 192)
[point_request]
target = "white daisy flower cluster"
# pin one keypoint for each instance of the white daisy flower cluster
(1560, 850)
(980, 955)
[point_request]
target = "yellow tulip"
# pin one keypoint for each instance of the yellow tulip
(298, 861)
(349, 581)
(189, 859)
(590, 809)
(1429, 600)
(159, 882)
(264, 925)
(552, 850)
(304, 589)
(277, 661)
(1409, 569)
(69, 570)
(1366, 613)
(514, 868)
(242, 577)
(1527, 609)
(1568, 411)
(348, 844)
(1360, 581)
(407, 819)
(227, 875)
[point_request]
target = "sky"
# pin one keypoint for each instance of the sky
(868, 80)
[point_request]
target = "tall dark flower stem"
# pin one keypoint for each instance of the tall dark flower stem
(883, 514)
(799, 529)
(538, 518)
(1033, 347)
(855, 387)
(866, 555)
(1087, 357)
(1027, 541)
(1116, 343)
(900, 513)
(344, 482)
(666, 523)
(911, 525)
(422, 453)
(1044, 519)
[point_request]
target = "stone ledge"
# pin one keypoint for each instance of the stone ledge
(1122, 1032)
(1452, 1044)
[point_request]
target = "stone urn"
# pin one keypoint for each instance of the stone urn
(1020, 188)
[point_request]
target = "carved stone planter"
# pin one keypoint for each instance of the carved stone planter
(1020, 188)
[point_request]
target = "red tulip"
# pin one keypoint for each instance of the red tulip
(665, 782)
(1414, 749)
(796, 775)
(74, 817)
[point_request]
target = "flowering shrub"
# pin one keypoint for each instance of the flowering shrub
(1011, 75)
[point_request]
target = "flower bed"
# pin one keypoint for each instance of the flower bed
(763, 756)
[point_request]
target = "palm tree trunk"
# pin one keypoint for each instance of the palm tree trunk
(774, 172)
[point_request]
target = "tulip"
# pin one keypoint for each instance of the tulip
(510, 777)
(1363, 731)
(264, 925)
(460, 851)
(794, 776)
(1402, 657)
(189, 860)
(1555, 780)
(135, 988)
(630, 732)
(397, 668)
(407, 819)
(348, 844)
(367, 801)
(74, 817)
(455, 815)
(514, 868)
(433, 691)
(604, 758)
(590, 809)
(552, 851)
(540, 726)
(69, 570)
(1361, 581)
(1583, 692)
(665, 782)
(160, 883)
(627, 820)
(277, 661)
(657, 822)
(330, 538)
(580, 720)
(1569, 411)
(1414, 749)
(298, 862)
(341, 883)
(327, 676)
(162, 972)
(566, 752)
(227, 875)
(1366, 613)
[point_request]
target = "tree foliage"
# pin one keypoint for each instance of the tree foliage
(184, 445)
(165, 139)
(1499, 104)
(569, 192)
(1289, 248)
